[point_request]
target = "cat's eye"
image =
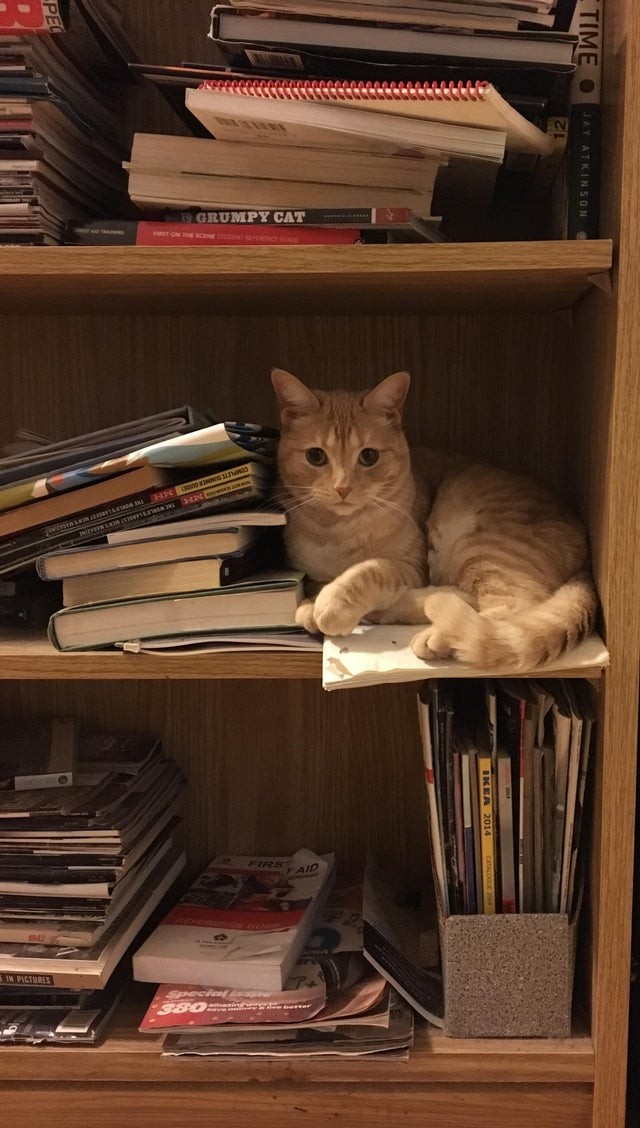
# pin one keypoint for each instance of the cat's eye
(368, 456)
(316, 456)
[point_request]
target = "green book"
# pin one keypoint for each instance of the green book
(269, 602)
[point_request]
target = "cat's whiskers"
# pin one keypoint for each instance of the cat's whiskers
(385, 502)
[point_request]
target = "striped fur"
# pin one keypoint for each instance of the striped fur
(507, 566)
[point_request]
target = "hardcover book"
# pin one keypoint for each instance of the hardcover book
(270, 601)
(173, 578)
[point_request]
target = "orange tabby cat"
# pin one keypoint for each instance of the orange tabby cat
(372, 523)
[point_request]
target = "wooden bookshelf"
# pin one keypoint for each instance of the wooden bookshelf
(462, 276)
(34, 658)
(126, 1055)
(520, 353)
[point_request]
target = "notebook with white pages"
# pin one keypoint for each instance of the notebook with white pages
(238, 111)
(474, 105)
(376, 654)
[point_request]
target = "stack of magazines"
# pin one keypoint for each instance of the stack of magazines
(162, 530)
(264, 958)
(506, 766)
(61, 121)
(369, 122)
(87, 851)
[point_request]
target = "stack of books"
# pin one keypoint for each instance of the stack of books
(506, 766)
(262, 957)
(61, 133)
(87, 852)
(430, 119)
(166, 540)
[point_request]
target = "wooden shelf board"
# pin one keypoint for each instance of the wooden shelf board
(30, 657)
(126, 1055)
(433, 277)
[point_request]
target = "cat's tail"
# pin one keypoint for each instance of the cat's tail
(538, 635)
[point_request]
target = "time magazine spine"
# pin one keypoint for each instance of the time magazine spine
(583, 195)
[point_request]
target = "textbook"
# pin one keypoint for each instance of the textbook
(154, 549)
(243, 923)
(361, 38)
(270, 601)
(171, 578)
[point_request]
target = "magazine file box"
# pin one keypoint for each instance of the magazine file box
(508, 975)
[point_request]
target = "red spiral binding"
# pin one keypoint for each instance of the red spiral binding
(312, 90)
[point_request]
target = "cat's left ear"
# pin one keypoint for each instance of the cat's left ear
(389, 396)
(293, 396)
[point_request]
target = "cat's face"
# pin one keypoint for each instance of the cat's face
(339, 450)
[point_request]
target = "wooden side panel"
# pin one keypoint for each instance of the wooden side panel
(315, 1106)
(604, 462)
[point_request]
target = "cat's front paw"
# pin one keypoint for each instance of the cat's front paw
(430, 644)
(335, 612)
(305, 616)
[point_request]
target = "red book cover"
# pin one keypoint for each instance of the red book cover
(24, 17)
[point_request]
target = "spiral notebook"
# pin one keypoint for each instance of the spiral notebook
(471, 105)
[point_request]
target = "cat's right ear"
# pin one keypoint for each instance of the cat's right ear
(294, 397)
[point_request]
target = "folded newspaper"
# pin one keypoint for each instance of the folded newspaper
(375, 654)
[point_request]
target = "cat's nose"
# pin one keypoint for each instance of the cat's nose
(344, 491)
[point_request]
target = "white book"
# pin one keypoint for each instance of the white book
(218, 522)
(242, 924)
(226, 116)
(434, 821)
(538, 829)
(562, 745)
(372, 655)
(573, 772)
(585, 754)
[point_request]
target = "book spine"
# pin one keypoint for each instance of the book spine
(187, 493)
(85, 980)
(434, 827)
(505, 821)
(583, 195)
(26, 17)
(460, 835)
(50, 937)
(121, 516)
(146, 234)
(487, 832)
(286, 217)
(469, 846)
